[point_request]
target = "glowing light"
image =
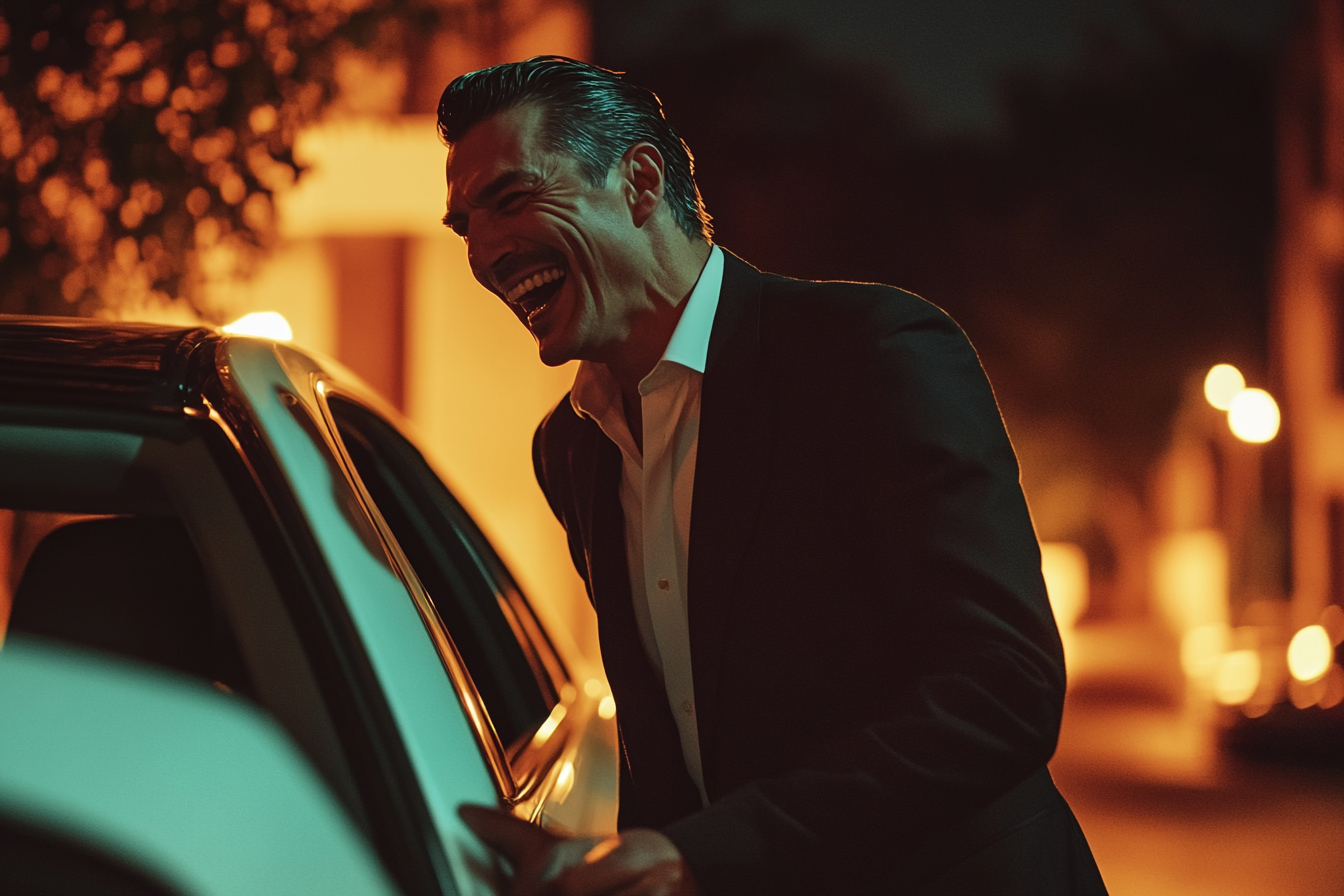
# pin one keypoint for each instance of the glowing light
(607, 708)
(548, 727)
(593, 688)
(267, 324)
(1202, 648)
(1253, 416)
(1221, 385)
(1189, 571)
(1334, 688)
(1064, 567)
(1236, 677)
(564, 783)
(1332, 620)
(1310, 653)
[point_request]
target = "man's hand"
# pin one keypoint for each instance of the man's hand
(633, 863)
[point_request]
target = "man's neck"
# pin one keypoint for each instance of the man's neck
(667, 291)
(650, 332)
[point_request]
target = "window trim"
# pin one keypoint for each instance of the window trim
(519, 770)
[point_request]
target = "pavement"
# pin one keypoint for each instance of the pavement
(1167, 810)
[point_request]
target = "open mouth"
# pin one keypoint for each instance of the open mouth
(533, 294)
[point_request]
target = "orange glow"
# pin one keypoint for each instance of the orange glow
(1202, 648)
(1310, 653)
(593, 687)
(1253, 416)
(1334, 688)
(564, 783)
(607, 708)
(1221, 385)
(1189, 579)
(1236, 677)
(548, 727)
(1064, 567)
(267, 324)
(1332, 620)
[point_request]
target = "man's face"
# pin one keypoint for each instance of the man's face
(562, 254)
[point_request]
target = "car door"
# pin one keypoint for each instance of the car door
(544, 722)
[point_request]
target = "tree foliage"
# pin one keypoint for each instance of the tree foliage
(136, 134)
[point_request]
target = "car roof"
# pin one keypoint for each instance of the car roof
(73, 360)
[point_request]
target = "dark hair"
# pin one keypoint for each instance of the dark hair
(593, 114)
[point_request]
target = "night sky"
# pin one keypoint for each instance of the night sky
(945, 57)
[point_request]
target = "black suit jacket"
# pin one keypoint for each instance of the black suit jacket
(874, 657)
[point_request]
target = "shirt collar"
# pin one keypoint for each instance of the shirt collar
(689, 345)
(594, 394)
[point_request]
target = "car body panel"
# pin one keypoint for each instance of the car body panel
(199, 787)
(428, 711)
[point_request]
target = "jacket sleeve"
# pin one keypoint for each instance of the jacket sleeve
(939, 490)
(556, 485)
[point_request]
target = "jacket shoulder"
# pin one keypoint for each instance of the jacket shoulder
(801, 318)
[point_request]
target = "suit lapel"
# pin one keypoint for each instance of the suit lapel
(732, 462)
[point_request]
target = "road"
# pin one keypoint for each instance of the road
(1168, 813)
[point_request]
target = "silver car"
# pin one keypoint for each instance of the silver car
(254, 645)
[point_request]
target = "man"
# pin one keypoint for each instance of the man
(798, 517)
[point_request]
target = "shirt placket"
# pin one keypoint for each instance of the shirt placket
(663, 585)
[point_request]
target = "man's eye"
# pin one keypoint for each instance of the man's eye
(511, 201)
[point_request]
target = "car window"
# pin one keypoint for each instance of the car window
(477, 601)
(122, 584)
(129, 541)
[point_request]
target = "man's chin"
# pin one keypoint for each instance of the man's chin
(554, 352)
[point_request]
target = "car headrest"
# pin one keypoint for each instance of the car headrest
(127, 585)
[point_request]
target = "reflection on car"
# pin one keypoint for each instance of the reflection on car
(254, 644)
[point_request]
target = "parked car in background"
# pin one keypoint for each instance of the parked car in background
(254, 645)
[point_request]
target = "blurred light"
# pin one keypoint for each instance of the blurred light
(1253, 416)
(567, 693)
(593, 688)
(607, 708)
(1310, 653)
(1334, 687)
(564, 783)
(267, 324)
(548, 727)
(1064, 567)
(1255, 710)
(1236, 677)
(1332, 620)
(1221, 385)
(1189, 579)
(1202, 647)
(1304, 694)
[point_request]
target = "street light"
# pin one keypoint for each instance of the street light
(1253, 415)
(1221, 385)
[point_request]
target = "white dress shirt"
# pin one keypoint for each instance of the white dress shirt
(655, 493)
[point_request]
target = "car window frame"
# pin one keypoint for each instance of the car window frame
(520, 770)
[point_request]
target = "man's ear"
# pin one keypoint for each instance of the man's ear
(643, 171)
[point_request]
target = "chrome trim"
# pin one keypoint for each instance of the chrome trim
(470, 698)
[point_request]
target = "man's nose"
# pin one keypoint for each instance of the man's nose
(486, 247)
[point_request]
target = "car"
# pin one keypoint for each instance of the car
(254, 644)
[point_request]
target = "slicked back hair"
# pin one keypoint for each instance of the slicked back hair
(591, 113)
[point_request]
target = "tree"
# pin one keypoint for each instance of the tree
(136, 134)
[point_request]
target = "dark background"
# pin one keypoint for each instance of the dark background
(1087, 188)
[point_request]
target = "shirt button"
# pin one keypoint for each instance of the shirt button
(664, 584)
(687, 706)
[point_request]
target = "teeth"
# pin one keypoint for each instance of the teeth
(531, 283)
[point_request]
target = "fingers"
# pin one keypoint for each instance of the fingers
(637, 862)
(518, 841)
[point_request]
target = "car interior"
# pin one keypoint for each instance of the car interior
(119, 534)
